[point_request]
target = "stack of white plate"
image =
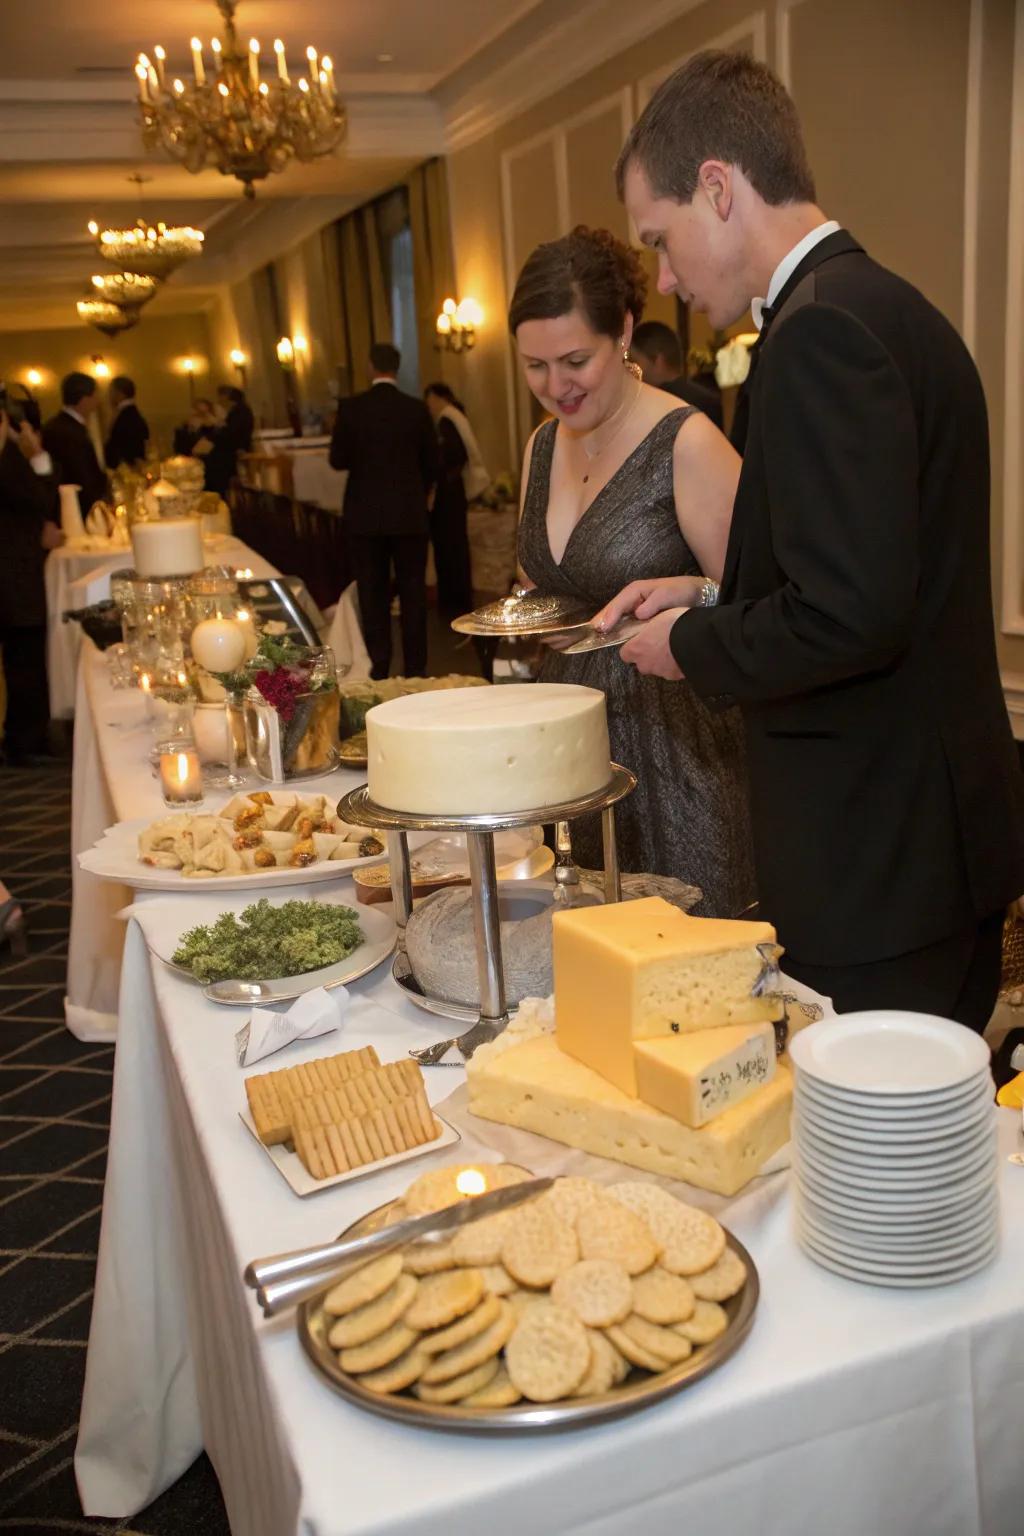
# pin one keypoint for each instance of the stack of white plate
(894, 1138)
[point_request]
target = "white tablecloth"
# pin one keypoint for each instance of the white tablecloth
(111, 781)
(314, 480)
(849, 1409)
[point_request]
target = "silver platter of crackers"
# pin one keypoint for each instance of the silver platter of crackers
(336, 1118)
(587, 1303)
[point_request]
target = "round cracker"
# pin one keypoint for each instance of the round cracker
(709, 1320)
(690, 1239)
(440, 1299)
(672, 1347)
(604, 1366)
(569, 1196)
(596, 1290)
(401, 1373)
(538, 1246)
(497, 1279)
(428, 1257)
(611, 1231)
(363, 1285)
(459, 1386)
(622, 1365)
(454, 1362)
(464, 1328)
(499, 1393)
(480, 1241)
(549, 1353)
(387, 1346)
(367, 1322)
(634, 1352)
(726, 1277)
(660, 1297)
(521, 1301)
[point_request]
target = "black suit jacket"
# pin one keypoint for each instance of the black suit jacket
(707, 400)
(855, 627)
(387, 442)
(129, 434)
(232, 437)
(27, 500)
(75, 462)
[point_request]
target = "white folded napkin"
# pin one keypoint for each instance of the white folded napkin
(315, 1013)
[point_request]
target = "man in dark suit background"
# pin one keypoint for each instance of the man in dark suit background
(129, 431)
(655, 346)
(386, 441)
(220, 446)
(855, 624)
(67, 441)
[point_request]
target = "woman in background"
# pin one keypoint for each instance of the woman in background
(463, 477)
(624, 483)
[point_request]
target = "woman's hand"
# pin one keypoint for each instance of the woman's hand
(28, 440)
(51, 536)
(643, 599)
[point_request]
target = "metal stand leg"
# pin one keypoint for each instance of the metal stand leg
(612, 883)
(401, 882)
(493, 1007)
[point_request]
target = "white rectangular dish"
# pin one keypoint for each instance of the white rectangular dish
(289, 1165)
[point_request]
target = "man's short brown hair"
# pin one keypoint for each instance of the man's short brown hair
(720, 106)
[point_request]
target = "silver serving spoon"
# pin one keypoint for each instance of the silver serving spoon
(243, 994)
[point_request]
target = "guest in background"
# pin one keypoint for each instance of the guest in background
(66, 439)
(231, 436)
(129, 431)
(386, 441)
(201, 421)
(28, 528)
(655, 346)
(449, 533)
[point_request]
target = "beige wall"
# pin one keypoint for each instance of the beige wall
(906, 106)
(151, 355)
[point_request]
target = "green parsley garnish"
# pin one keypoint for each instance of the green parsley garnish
(264, 943)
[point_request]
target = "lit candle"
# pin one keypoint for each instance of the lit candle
(154, 84)
(244, 621)
(143, 79)
(282, 62)
(311, 56)
(197, 61)
(181, 777)
(146, 684)
(219, 645)
(254, 64)
(328, 71)
(160, 57)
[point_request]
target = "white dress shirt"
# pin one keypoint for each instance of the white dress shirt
(788, 265)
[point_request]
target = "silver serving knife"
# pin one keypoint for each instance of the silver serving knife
(601, 639)
(285, 1279)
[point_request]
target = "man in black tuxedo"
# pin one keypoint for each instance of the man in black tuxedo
(386, 441)
(655, 346)
(855, 623)
(67, 441)
(220, 446)
(129, 431)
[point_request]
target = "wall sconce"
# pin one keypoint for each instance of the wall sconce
(33, 378)
(100, 369)
(286, 353)
(239, 360)
(300, 343)
(188, 368)
(456, 325)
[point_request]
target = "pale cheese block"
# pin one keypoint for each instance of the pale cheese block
(480, 751)
(639, 970)
(535, 1086)
(695, 1077)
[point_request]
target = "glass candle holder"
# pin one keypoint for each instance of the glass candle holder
(181, 778)
(220, 741)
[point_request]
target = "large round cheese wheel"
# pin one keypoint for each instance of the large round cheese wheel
(488, 751)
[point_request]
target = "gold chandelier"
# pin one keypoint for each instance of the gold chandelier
(229, 118)
(147, 250)
(129, 289)
(109, 318)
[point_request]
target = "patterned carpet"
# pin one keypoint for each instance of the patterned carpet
(54, 1119)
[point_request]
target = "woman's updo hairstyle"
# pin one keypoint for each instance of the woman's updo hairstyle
(588, 269)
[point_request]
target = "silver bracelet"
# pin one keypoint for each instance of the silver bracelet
(709, 593)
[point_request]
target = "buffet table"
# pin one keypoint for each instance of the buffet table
(855, 1408)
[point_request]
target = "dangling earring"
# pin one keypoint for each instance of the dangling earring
(631, 367)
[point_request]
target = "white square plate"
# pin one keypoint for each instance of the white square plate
(289, 1164)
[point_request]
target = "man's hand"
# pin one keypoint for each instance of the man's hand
(202, 447)
(650, 651)
(643, 599)
(51, 536)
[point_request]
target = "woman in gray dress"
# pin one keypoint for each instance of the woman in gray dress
(623, 485)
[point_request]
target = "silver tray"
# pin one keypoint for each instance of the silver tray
(357, 808)
(463, 1013)
(525, 614)
(638, 1391)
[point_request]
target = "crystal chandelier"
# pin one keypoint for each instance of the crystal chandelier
(148, 250)
(129, 289)
(229, 118)
(109, 318)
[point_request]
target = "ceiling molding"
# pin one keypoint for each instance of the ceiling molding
(475, 105)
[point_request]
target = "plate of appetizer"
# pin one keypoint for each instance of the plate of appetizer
(261, 839)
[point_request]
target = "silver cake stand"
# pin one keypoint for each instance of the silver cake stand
(358, 808)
